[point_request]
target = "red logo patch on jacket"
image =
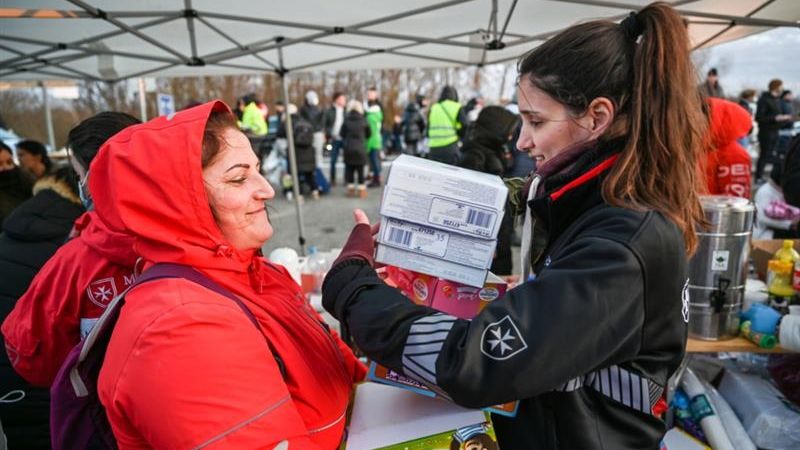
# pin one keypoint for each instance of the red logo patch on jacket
(101, 292)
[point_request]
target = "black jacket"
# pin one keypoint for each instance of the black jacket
(355, 132)
(303, 131)
(314, 115)
(15, 188)
(790, 178)
(413, 123)
(767, 108)
(484, 148)
(31, 234)
(587, 346)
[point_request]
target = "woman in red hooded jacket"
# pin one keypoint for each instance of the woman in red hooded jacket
(728, 164)
(185, 368)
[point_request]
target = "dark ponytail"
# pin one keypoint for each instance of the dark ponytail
(643, 66)
(86, 138)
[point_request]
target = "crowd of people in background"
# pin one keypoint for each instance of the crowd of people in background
(331, 145)
(340, 144)
(762, 126)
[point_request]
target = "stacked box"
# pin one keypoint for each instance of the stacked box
(457, 299)
(460, 300)
(440, 219)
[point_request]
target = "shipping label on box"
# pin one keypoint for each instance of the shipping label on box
(429, 241)
(444, 196)
(462, 217)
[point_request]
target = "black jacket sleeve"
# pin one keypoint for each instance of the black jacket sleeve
(585, 311)
(462, 119)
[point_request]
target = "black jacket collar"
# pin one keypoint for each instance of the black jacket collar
(568, 194)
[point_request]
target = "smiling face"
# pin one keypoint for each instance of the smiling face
(237, 192)
(547, 125)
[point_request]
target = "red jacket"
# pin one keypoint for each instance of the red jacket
(65, 298)
(185, 367)
(727, 163)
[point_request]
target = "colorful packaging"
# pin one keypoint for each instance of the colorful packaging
(453, 298)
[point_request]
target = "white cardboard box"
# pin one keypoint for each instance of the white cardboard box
(445, 197)
(440, 219)
(431, 265)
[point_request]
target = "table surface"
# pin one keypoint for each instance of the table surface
(738, 344)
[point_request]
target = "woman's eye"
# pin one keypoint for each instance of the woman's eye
(238, 180)
(535, 123)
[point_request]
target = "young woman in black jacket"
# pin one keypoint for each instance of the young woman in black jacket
(610, 112)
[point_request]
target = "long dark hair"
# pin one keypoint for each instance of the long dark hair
(643, 66)
(36, 148)
(86, 138)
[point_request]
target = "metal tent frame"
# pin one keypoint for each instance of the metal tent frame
(449, 33)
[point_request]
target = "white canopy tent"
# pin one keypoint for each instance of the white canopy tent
(112, 40)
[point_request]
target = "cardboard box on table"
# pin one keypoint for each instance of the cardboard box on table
(457, 299)
(393, 419)
(440, 219)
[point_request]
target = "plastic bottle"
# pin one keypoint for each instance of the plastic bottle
(317, 266)
(780, 271)
(762, 340)
(787, 252)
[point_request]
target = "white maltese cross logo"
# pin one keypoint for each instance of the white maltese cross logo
(685, 302)
(101, 292)
(502, 340)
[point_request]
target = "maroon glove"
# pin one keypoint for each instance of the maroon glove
(360, 244)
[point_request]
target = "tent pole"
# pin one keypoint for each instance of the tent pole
(48, 117)
(292, 156)
(142, 101)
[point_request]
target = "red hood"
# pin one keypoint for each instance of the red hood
(112, 245)
(152, 176)
(729, 122)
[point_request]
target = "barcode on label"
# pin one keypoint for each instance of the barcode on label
(399, 236)
(478, 218)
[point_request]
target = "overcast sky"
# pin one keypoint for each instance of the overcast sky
(752, 61)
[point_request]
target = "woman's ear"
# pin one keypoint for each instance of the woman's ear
(601, 111)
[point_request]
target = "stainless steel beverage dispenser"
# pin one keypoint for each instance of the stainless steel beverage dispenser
(718, 270)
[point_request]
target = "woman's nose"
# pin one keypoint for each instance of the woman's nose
(264, 191)
(525, 141)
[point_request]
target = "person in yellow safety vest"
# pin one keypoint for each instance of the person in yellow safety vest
(446, 125)
(253, 121)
